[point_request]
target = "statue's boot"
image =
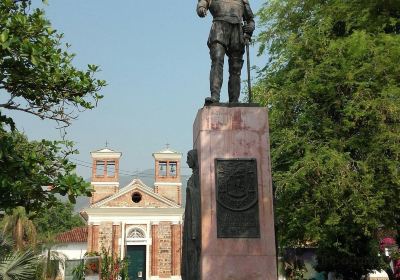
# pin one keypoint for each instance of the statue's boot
(217, 53)
(235, 68)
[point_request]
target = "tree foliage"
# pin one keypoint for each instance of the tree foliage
(333, 88)
(57, 219)
(33, 173)
(37, 77)
(36, 71)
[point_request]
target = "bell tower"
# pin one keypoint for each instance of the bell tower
(168, 174)
(105, 173)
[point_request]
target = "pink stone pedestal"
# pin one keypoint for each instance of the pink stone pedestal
(236, 132)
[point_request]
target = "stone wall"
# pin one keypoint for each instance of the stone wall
(164, 249)
(105, 236)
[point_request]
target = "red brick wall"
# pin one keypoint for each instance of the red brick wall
(90, 238)
(104, 177)
(102, 192)
(176, 249)
(173, 193)
(175, 179)
(116, 236)
(154, 250)
(95, 239)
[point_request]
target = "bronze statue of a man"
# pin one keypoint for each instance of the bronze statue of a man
(228, 36)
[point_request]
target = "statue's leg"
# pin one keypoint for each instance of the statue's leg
(217, 53)
(235, 68)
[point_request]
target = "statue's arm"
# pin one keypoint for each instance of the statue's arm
(202, 7)
(248, 17)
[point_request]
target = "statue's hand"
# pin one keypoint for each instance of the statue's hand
(248, 28)
(247, 38)
(201, 11)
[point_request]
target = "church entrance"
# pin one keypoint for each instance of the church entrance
(136, 255)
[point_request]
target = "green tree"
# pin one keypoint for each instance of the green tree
(37, 77)
(333, 88)
(36, 71)
(54, 220)
(33, 173)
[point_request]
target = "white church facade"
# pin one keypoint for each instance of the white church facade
(137, 222)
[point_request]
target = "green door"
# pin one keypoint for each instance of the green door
(136, 262)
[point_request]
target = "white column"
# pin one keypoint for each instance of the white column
(148, 243)
(122, 240)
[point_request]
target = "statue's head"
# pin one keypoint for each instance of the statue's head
(192, 159)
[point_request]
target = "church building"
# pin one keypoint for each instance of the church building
(136, 221)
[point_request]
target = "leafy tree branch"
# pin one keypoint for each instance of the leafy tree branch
(36, 71)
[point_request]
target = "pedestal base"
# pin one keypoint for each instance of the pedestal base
(235, 133)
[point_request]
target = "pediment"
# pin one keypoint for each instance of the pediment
(124, 198)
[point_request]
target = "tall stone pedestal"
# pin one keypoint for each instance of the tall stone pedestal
(237, 220)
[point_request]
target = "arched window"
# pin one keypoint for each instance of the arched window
(136, 233)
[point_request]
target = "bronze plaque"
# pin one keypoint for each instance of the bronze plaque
(237, 198)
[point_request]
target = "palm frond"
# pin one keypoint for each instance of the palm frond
(19, 265)
(6, 244)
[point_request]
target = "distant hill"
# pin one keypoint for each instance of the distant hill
(147, 177)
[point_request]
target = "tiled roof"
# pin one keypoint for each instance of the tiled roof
(79, 234)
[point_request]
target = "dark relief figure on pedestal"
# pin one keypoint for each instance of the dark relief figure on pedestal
(232, 28)
(192, 229)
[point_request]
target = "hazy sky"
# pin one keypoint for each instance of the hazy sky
(154, 57)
